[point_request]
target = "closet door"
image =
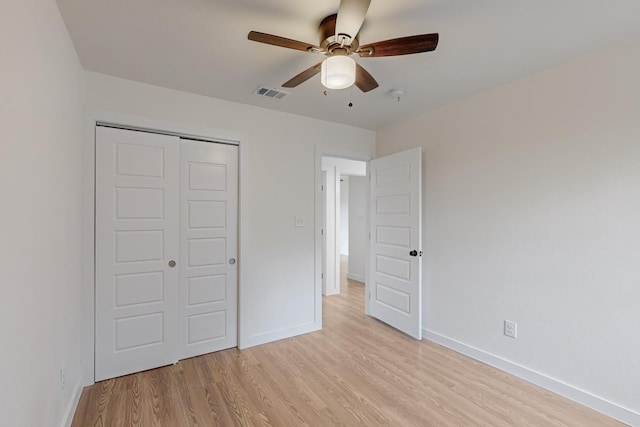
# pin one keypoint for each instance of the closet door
(137, 294)
(208, 247)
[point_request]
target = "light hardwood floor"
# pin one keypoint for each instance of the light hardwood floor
(356, 371)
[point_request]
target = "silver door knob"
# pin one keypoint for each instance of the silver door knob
(172, 263)
(232, 261)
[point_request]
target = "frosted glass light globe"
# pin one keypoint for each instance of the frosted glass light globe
(338, 72)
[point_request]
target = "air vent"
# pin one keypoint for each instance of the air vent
(269, 92)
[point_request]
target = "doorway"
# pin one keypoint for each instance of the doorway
(353, 226)
(345, 190)
(393, 272)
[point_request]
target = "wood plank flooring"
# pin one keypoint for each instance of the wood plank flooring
(356, 371)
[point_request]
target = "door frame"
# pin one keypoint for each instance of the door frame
(336, 168)
(332, 151)
(92, 117)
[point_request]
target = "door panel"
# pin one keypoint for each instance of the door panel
(208, 230)
(136, 236)
(162, 199)
(395, 275)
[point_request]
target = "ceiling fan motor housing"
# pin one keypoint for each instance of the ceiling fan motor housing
(331, 43)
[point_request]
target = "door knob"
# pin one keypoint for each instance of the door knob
(232, 261)
(413, 253)
(172, 263)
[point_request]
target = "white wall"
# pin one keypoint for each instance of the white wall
(344, 215)
(40, 170)
(358, 232)
(532, 213)
(277, 184)
(331, 281)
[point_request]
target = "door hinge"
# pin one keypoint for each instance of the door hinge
(322, 188)
(322, 276)
(322, 231)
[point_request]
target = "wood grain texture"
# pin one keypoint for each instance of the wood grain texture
(356, 371)
(364, 81)
(303, 76)
(279, 41)
(401, 46)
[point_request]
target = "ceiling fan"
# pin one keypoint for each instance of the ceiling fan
(339, 40)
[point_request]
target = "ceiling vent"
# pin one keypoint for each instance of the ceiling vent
(269, 92)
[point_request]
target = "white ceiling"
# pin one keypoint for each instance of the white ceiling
(201, 46)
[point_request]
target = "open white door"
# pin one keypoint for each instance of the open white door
(395, 276)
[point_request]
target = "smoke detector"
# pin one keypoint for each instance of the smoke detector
(396, 93)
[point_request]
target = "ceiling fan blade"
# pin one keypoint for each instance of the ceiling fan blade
(351, 16)
(303, 76)
(401, 46)
(280, 41)
(364, 80)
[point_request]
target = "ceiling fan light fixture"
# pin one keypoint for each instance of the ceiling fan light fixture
(338, 72)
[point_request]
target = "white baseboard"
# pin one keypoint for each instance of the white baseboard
(566, 390)
(67, 419)
(280, 334)
(355, 277)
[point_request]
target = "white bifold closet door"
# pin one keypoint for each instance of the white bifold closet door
(208, 247)
(166, 242)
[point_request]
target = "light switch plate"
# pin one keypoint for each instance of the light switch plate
(299, 221)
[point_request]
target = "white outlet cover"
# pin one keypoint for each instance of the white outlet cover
(510, 329)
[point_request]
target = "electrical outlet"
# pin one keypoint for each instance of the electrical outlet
(511, 329)
(299, 221)
(61, 378)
